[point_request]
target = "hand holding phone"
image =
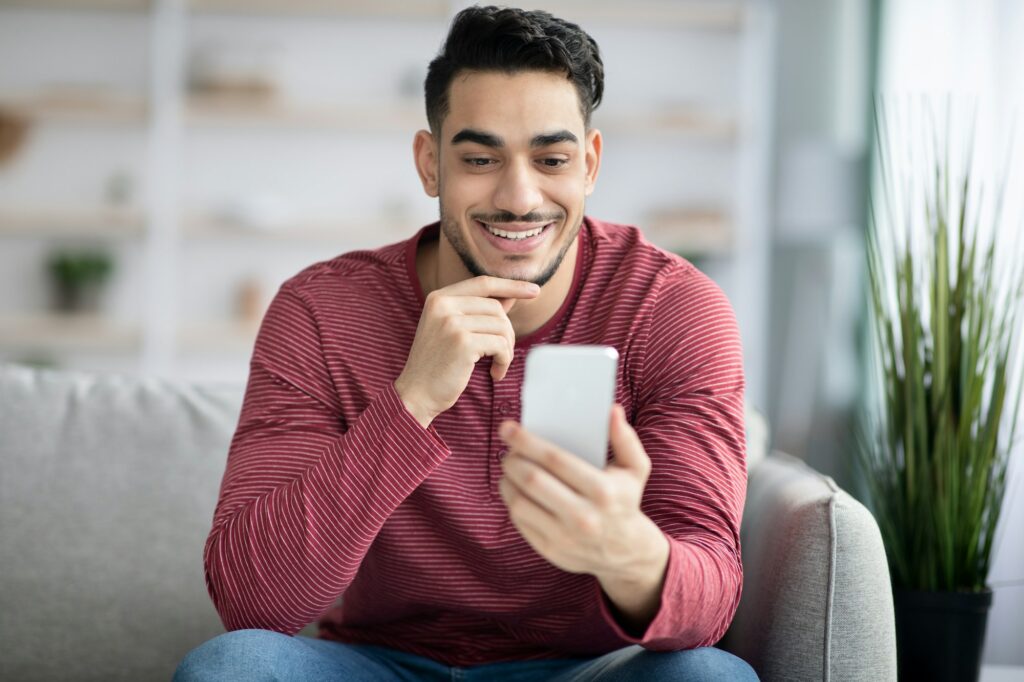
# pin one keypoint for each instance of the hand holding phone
(568, 394)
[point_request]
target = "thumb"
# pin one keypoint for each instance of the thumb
(629, 451)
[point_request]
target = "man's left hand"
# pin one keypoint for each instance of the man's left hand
(581, 518)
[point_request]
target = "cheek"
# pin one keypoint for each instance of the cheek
(569, 192)
(468, 191)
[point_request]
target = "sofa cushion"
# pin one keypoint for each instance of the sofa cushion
(817, 602)
(107, 490)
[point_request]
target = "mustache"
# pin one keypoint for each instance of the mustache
(506, 217)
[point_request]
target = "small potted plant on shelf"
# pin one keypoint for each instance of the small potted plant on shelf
(939, 430)
(78, 278)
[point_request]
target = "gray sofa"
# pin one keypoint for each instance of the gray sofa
(107, 489)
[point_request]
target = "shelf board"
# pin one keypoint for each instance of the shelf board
(691, 232)
(207, 228)
(225, 110)
(218, 336)
(725, 15)
(71, 222)
(693, 14)
(406, 117)
(121, 5)
(349, 235)
(390, 9)
(77, 105)
(56, 331)
(687, 121)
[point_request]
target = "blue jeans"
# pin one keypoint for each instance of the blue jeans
(252, 655)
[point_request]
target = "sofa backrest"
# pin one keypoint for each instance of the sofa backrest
(107, 490)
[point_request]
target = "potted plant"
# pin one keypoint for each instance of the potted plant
(78, 279)
(944, 310)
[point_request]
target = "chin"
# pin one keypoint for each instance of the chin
(480, 258)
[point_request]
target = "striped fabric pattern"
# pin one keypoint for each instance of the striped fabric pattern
(332, 489)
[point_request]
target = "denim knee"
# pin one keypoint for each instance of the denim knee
(706, 664)
(700, 665)
(238, 655)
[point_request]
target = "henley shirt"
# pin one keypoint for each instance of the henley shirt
(337, 506)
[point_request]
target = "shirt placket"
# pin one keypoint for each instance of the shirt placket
(505, 404)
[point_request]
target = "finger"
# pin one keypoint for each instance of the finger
(579, 475)
(476, 305)
(626, 445)
(495, 346)
(543, 489)
(482, 324)
(487, 324)
(493, 287)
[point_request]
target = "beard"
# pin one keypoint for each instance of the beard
(450, 228)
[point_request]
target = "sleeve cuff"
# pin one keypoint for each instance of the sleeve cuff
(389, 430)
(660, 623)
(391, 404)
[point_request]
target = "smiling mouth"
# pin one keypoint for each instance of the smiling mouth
(514, 232)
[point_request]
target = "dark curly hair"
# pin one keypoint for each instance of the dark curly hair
(512, 40)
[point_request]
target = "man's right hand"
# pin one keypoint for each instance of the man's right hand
(459, 325)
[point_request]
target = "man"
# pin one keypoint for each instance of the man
(377, 458)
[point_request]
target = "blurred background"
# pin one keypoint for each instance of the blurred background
(166, 164)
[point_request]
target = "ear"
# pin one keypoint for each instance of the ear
(593, 158)
(424, 151)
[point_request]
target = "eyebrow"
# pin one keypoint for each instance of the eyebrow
(491, 140)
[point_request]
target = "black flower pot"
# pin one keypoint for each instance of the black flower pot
(940, 635)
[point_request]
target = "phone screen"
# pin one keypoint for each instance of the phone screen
(568, 393)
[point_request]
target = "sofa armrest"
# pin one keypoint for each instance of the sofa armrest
(817, 600)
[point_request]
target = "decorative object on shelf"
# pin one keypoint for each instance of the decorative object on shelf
(690, 231)
(262, 212)
(936, 439)
(13, 127)
(78, 279)
(250, 301)
(236, 72)
(119, 188)
(410, 85)
(36, 359)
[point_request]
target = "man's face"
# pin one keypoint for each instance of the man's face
(512, 155)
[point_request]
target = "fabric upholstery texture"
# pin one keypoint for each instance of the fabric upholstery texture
(817, 601)
(107, 489)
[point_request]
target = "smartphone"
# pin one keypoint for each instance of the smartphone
(567, 399)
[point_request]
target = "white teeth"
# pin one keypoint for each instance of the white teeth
(515, 236)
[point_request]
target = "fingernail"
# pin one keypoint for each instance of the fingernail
(534, 288)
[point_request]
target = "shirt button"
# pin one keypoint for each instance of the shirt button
(502, 453)
(505, 408)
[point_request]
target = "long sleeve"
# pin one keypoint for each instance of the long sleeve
(304, 493)
(690, 421)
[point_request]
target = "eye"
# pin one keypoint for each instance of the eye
(478, 161)
(554, 162)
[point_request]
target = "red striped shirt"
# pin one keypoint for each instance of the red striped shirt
(332, 487)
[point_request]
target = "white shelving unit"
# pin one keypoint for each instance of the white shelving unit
(686, 117)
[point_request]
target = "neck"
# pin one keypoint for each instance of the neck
(439, 266)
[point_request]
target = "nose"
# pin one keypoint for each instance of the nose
(517, 191)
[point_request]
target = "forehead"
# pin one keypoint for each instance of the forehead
(515, 106)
